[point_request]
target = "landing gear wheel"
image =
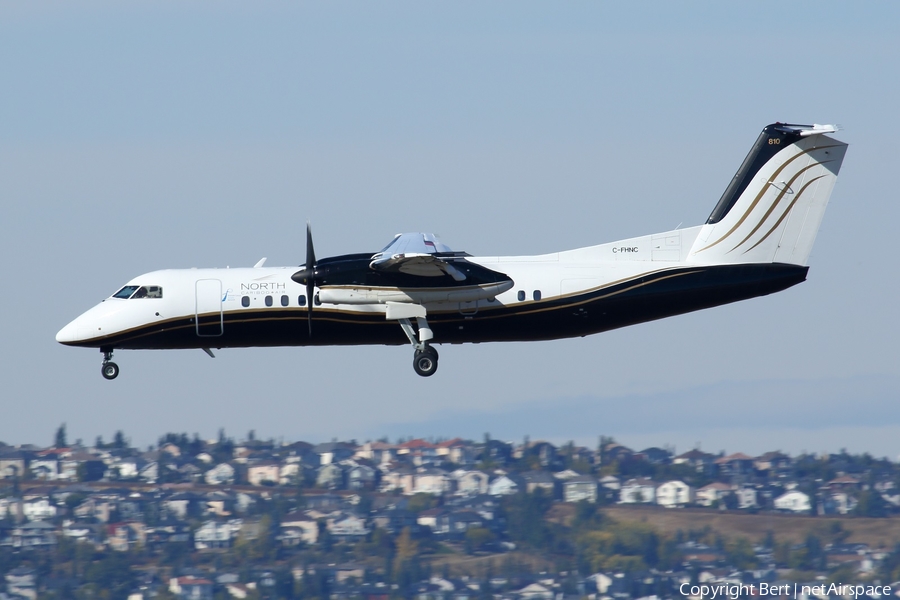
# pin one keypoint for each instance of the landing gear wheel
(109, 370)
(425, 362)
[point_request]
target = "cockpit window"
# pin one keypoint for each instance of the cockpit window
(144, 291)
(125, 292)
(148, 291)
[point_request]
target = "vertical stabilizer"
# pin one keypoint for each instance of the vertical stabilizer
(772, 209)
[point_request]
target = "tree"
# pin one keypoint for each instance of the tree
(119, 441)
(871, 504)
(60, 438)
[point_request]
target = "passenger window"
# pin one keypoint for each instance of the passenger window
(285, 300)
(245, 301)
(536, 295)
(268, 300)
(301, 300)
(521, 295)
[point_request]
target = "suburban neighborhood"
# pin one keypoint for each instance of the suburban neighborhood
(429, 519)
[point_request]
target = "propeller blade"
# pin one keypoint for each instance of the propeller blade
(310, 251)
(310, 276)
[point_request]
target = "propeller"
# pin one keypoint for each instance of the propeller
(308, 276)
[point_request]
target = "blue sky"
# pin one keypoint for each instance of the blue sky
(156, 135)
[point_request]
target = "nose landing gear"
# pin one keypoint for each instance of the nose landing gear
(108, 369)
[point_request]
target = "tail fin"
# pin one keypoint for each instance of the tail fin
(773, 207)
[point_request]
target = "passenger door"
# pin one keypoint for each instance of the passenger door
(208, 317)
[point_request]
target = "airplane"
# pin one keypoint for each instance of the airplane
(416, 290)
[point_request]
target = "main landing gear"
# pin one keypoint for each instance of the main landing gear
(425, 360)
(108, 369)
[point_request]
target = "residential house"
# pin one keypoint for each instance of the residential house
(844, 483)
(297, 526)
(180, 504)
(655, 456)
(702, 462)
(190, 472)
(221, 474)
(45, 468)
(674, 494)
(470, 483)
(638, 491)
(583, 487)
(21, 582)
(35, 534)
(611, 482)
(735, 465)
(12, 508)
(81, 466)
(837, 503)
(793, 501)
(149, 472)
(746, 497)
(432, 481)
(457, 451)
(302, 452)
(540, 480)
(330, 476)
(264, 472)
(291, 473)
(216, 534)
(436, 519)
(361, 476)
(616, 452)
(395, 520)
(463, 520)
(191, 588)
(13, 463)
(122, 537)
(399, 477)
(535, 591)
(419, 452)
(495, 451)
(38, 509)
(545, 452)
(772, 462)
(130, 467)
(82, 532)
(219, 503)
(506, 485)
(713, 493)
(94, 507)
(377, 452)
(334, 452)
(347, 526)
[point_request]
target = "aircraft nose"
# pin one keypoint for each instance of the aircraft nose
(78, 331)
(67, 334)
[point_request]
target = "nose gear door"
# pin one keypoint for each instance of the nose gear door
(208, 318)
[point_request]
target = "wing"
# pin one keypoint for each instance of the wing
(420, 254)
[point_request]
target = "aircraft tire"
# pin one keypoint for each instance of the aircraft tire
(425, 363)
(109, 370)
